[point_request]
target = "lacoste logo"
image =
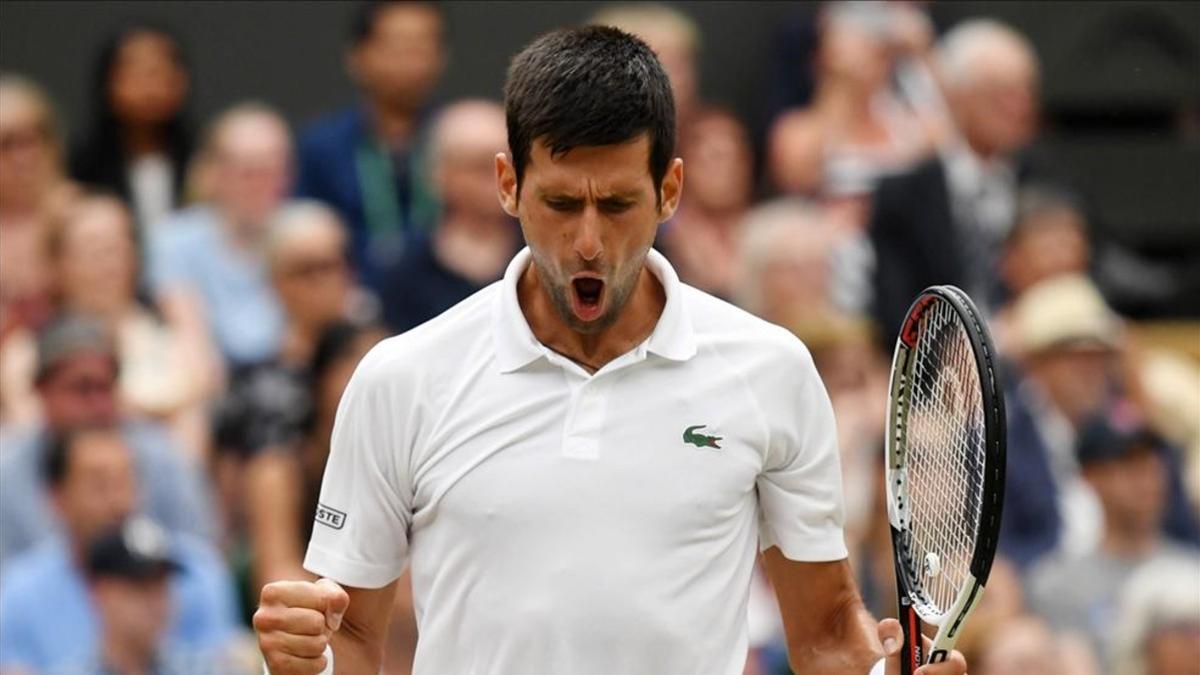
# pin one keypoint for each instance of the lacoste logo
(330, 517)
(700, 440)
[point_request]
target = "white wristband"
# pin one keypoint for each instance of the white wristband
(880, 667)
(329, 664)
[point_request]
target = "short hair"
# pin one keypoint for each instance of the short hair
(57, 457)
(959, 49)
(296, 217)
(1039, 199)
(589, 86)
(362, 25)
(211, 146)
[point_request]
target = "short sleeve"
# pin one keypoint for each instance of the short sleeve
(800, 487)
(361, 527)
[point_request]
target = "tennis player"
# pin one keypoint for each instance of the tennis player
(579, 461)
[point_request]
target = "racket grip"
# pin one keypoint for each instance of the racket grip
(910, 651)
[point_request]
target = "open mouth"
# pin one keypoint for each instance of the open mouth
(587, 297)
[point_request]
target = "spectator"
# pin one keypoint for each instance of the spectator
(856, 129)
(1025, 645)
(1122, 461)
(783, 265)
(162, 358)
(47, 619)
(129, 572)
(32, 184)
(263, 420)
(1073, 360)
(675, 39)
(138, 144)
(367, 161)
(1157, 628)
(474, 240)
(76, 381)
(207, 264)
(701, 240)
(944, 220)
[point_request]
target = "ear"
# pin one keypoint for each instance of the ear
(672, 190)
(506, 184)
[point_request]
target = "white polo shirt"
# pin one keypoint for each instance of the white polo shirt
(560, 522)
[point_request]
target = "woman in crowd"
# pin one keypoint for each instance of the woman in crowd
(32, 184)
(138, 143)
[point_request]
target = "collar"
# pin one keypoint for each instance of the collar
(673, 337)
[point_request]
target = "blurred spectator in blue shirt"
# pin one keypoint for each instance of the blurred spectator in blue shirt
(138, 144)
(48, 617)
(76, 380)
(207, 261)
(366, 161)
(474, 239)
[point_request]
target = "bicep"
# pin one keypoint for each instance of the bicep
(827, 627)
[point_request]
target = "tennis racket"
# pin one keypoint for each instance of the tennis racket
(945, 468)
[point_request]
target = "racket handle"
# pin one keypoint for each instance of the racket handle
(910, 651)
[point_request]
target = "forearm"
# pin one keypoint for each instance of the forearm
(848, 643)
(354, 653)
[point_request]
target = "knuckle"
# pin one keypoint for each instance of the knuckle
(271, 594)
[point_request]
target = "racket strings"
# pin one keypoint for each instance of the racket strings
(945, 458)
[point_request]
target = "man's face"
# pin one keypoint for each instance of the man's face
(99, 489)
(1131, 490)
(80, 391)
(589, 217)
(252, 168)
(311, 276)
(135, 612)
(400, 62)
(997, 111)
(1078, 380)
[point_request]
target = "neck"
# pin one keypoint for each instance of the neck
(393, 124)
(141, 140)
(246, 236)
(592, 350)
(1128, 544)
(298, 343)
(126, 657)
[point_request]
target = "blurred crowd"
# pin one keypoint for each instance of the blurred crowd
(180, 311)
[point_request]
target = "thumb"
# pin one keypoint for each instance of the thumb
(891, 635)
(336, 602)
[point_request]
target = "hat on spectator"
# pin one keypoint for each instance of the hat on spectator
(137, 550)
(1064, 312)
(67, 337)
(1115, 433)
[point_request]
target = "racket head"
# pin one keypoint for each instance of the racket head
(945, 452)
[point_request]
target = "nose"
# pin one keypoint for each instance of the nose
(587, 237)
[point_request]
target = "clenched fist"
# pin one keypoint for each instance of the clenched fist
(295, 622)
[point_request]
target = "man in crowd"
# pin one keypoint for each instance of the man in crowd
(1071, 363)
(1123, 462)
(366, 161)
(76, 382)
(47, 618)
(206, 264)
(942, 221)
(474, 239)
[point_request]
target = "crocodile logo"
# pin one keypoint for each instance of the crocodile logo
(700, 440)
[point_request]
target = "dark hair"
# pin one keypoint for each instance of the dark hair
(363, 23)
(335, 342)
(589, 86)
(100, 158)
(57, 457)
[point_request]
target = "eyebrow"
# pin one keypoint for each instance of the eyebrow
(621, 195)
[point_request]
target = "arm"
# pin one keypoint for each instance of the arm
(828, 628)
(272, 495)
(297, 620)
(358, 646)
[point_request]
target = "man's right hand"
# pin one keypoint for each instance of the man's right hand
(295, 622)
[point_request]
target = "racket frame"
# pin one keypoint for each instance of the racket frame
(896, 449)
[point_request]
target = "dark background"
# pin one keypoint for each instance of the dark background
(1121, 80)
